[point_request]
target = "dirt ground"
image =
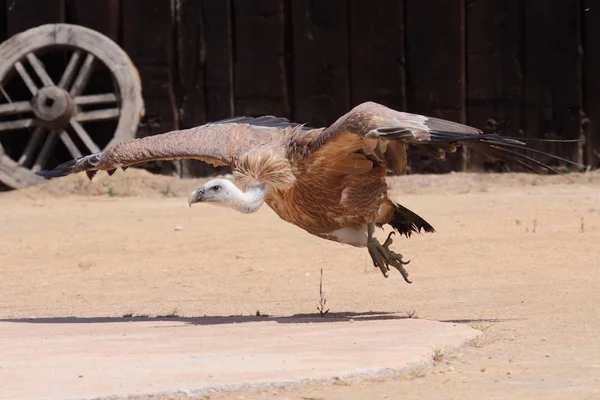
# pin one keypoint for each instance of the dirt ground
(515, 255)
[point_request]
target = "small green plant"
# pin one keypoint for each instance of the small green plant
(111, 192)
(438, 355)
(167, 192)
(481, 340)
(480, 327)
(322, 298)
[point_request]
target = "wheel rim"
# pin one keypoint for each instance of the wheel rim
(58, 105)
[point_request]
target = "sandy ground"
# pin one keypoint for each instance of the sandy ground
(517, 256)
(59, 359)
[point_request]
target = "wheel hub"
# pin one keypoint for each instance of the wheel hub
(53, 106)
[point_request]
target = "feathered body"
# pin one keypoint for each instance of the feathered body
(332, 191)
(329, 181)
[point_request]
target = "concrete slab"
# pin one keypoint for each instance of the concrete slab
(91, 358)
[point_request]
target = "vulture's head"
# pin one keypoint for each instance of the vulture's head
(218, 191)
(223, 192)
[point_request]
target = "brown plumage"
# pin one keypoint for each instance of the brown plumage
(330, 181)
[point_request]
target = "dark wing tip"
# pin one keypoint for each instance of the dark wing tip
(513, 150)
(61, 170)
(506, 148)
(84, 163)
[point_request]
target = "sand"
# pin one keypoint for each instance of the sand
(516, 256)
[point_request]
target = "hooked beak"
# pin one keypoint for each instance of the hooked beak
(196, 196)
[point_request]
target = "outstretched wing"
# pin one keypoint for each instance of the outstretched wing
(381, 134)
(218, 143)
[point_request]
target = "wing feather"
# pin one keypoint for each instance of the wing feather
(219, 143)
(373, 121)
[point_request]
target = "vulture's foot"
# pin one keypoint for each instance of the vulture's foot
(383, 257)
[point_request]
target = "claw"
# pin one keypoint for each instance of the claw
(378, 259)
(389, 240)
(383, 257)
(403, 272)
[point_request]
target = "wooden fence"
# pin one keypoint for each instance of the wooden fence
(520, 67)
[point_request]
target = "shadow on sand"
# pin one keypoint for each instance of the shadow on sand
(238, 319)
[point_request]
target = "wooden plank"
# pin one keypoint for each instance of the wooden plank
(259, 70)
(148, 40)
(190, 57)
(190, 76)
(591, 13)
(25, 14)
(100, 15)
(147, 37)
(218, 65)
(552, 78)
(3, 21)
(204, 70)
(148, 32)
(494, 84)
(321, 60)
(436, 70)
(377, 53)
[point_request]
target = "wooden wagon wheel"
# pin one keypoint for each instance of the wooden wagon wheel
(49, 95)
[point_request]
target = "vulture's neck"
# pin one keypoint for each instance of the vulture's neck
(248, 201)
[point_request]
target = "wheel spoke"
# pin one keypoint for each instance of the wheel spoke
(6, 96)
(16, 124)
(69, 73)
(70, 144)
(83, 76)
(15, 108)
(39, 69)
(96, 99)
(32, 145)
(98, 115)
(83, 135)
(26, 78)
(46, 151)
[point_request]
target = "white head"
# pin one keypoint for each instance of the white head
(223, 192)
(213, 191)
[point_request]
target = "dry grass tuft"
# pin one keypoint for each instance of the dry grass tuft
(322, 299)
(438, 355)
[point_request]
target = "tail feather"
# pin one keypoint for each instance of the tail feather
(406, 222)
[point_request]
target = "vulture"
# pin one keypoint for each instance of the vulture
(329, 181)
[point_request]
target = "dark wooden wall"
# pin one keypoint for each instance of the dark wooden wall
(526, 68)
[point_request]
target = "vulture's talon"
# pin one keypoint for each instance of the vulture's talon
(379, 260)
(389, 240)
(383, 257)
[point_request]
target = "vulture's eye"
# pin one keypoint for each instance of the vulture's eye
(216, 188)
